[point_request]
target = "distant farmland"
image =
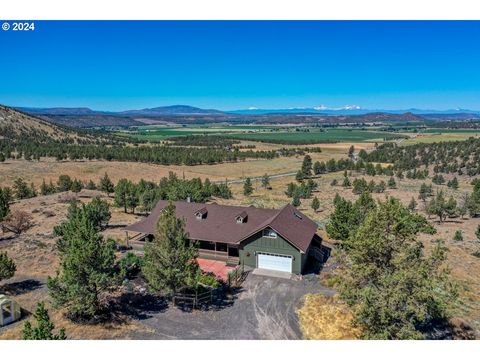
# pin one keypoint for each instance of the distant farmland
(269, 134)
(163, 133)
(316, 137)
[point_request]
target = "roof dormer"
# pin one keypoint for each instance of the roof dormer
(241, 218)
(201, 213)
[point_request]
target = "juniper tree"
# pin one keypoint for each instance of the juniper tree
(315, 204)
(123, 191)
(300, 176)
(91, 185)
(412, 205)
(453, 183)
(247, 187)
(351, 151)
(265, 181)
(76, 186)
(394, 290)
(86, 271)
(346, 182)
(169, 261)
(22, 190)
(391, 183)
(7, 266)
(5, 199)
(64, 183)
(458, 235)
(106, 185)
(296, 200)
(44, 328)
(307, 166)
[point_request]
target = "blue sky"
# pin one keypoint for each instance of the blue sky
(117, 65)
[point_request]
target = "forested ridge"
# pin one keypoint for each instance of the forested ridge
(462, 157)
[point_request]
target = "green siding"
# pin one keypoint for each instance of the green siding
(278, 245)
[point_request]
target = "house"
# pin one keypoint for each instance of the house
(271, 239)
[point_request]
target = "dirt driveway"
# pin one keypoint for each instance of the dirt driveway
(264, 309)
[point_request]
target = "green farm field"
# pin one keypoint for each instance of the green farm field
(153, 132)
(317, 136)
(271, 134)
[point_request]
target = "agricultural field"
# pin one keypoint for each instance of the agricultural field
(316, 135)
(271, 134)
(434, 135)
(159, 133)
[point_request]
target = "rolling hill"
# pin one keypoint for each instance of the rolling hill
(15, 124)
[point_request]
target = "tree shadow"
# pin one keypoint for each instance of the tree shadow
(224, 298)
(21, 287)
(136, 305)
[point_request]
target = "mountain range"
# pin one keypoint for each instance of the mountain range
(183, 110)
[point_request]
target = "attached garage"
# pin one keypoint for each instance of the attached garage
(275, 262)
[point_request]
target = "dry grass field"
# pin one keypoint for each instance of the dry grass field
(50, 169)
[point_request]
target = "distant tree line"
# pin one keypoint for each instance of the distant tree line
(461, 157)
(155, 154)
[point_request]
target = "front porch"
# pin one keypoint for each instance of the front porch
(219, 251)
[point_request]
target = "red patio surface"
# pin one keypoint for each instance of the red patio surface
(218, 268)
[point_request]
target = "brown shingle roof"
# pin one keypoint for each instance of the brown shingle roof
(221, 226)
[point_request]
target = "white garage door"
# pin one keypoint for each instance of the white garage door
(275, 262)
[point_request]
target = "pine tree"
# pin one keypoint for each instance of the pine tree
(44, 328)
(86, 268)
(169, 261)
(315, 204)
(106, 185)
(7, 266)
(247, 187)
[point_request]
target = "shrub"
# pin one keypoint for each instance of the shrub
(131, 264)
(458, 235)
(17, 222)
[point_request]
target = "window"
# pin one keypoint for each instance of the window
(269, 233)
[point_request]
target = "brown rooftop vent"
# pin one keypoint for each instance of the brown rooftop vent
(201, 213)
(241, 218)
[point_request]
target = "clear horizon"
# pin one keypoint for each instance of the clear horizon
(232, 65)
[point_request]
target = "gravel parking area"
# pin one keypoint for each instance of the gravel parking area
(263, 309)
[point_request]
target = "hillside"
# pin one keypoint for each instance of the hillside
(15, 124)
